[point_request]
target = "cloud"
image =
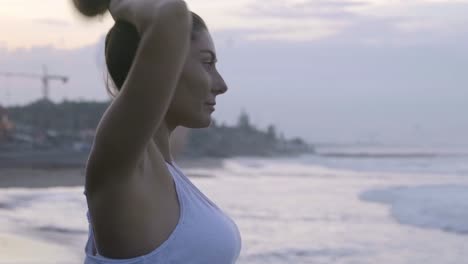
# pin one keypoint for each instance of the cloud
(80, 65)
(367, 22)
(291, 21)
(336, 90)
(323, 90)
(363, 71)
(56, 22)
(52, 22)
(281, 9)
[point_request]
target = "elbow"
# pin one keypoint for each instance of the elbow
(178, 7)
(176, 12)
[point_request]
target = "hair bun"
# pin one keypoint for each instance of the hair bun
(92, 8)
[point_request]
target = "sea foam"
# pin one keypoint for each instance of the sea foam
(443, 207)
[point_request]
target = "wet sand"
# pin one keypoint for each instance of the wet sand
(28, 248)
(18, 249)
(43, 178)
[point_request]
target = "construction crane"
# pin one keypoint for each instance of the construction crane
(45, 79)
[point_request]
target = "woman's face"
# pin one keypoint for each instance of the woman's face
(198, 86)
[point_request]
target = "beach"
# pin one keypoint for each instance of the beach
(53, 177)
(13, 244)
(48, 247)
(347, 208)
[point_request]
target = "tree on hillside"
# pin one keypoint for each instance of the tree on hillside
(271, 132)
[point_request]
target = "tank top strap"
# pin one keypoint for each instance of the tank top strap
(187, 183)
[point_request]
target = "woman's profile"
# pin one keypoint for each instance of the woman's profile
(141, 207)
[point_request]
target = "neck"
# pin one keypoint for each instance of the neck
(162, 140)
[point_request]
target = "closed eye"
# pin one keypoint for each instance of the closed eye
(210, 63)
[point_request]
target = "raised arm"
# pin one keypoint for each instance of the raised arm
(135, 114)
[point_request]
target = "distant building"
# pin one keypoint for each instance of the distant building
(6, 126)
(244, 121)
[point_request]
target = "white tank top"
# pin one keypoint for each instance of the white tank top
(204, 233)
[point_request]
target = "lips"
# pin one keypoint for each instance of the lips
(210, 106)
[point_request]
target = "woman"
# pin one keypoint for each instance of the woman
(142, 208)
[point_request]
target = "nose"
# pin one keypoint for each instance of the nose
(220, 86)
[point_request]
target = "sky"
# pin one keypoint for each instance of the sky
(335, 71)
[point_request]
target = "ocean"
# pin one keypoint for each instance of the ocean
(344, 204)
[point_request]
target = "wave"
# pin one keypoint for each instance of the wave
(443, 207)
(57, 209)
(390, 152)
(383, 155)
(62, 230)
(300, 255)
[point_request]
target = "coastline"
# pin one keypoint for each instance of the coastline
(23, 177)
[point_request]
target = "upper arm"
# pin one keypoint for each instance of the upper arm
(141, 105)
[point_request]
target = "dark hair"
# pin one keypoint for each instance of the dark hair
(121, 46)
(122, 41)
(91, 8)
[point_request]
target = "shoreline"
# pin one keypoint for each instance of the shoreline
(30, 177)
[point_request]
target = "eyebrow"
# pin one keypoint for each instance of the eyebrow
(213, 55)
